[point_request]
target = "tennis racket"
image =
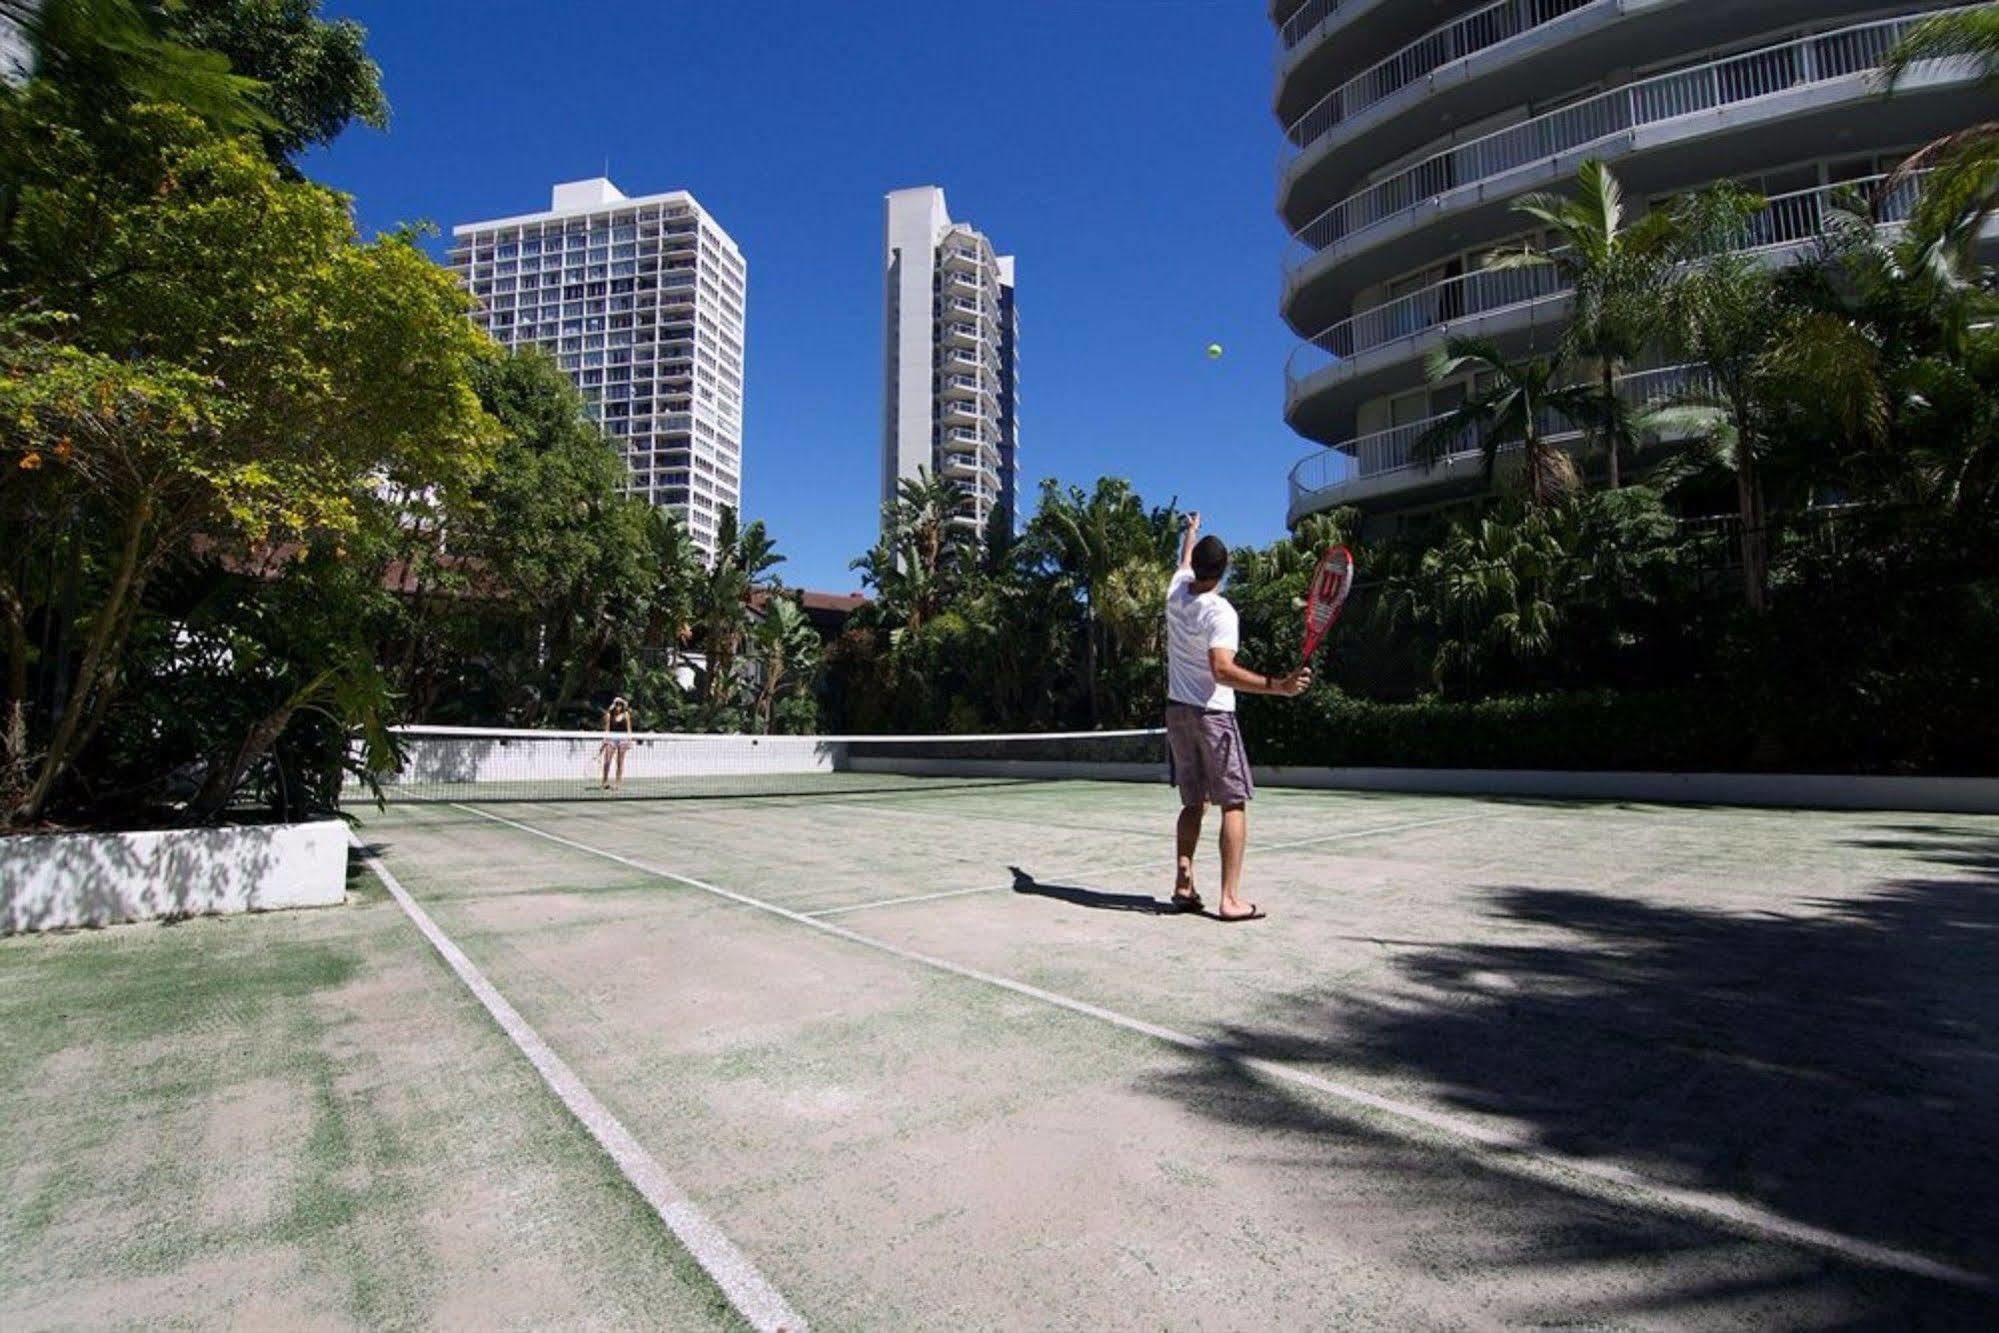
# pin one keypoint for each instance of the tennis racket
(1331, 582)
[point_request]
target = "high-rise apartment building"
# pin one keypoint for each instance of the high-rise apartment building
(950, 398)
(641, 302)
(1411, 129)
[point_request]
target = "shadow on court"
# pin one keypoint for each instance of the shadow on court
(1836, 1062)
(1095, 898)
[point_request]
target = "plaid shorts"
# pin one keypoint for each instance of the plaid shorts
(1209, 762)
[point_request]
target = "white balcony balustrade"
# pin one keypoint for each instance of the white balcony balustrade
(1786, 221)
(1315, 481)
(968, 384)
(1477, 31)
(1822, 58)
(1300, 25)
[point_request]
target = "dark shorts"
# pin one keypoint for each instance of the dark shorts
(1209, 762)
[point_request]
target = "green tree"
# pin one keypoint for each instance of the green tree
(1483, 597)
(1893, 399)
(101, 56)
(547, 540)
(314, 75)
(786, 649)
(743, 554)
(1509, 402)
(1615, 271)
(1964, 190)
(213, 352)
(1727, 311)
(1088, 540)
(913, 568)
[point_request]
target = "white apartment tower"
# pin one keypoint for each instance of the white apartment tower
(641, 302)
(949, 401)
(1411, 130)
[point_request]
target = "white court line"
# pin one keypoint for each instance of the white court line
(1150, 860)
(747, 1290)
(1512, 1148)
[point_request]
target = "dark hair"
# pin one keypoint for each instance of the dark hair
(1211, 558)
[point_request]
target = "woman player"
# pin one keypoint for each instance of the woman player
(619, 714)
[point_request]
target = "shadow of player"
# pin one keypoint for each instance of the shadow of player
(1093, 898)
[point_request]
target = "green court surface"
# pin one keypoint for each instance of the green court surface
(939, 1057)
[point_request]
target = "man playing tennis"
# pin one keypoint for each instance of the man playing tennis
(1202, 677)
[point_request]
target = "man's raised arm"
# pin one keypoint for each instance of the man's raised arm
(1187, 539)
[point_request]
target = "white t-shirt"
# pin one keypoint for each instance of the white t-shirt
(1194, 624)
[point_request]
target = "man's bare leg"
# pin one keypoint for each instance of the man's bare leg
(1235, 832)
(1187, 836)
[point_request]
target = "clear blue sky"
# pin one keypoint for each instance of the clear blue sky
(1123, 149)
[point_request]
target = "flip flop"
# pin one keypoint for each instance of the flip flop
(1188, 902)
(1253, 914)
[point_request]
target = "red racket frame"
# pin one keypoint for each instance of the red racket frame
(1337, 559)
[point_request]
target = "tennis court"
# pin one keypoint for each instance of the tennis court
(889, 1051)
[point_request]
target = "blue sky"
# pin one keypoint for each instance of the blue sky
(1123, 149)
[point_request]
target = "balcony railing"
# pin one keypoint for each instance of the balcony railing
(1786, 220)
(1716, 83)
(970, 384)
(1299, 25)
(1430, 308)
(1476, 31)
(966, 409)
(1389, 450)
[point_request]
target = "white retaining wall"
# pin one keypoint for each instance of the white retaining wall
(55, 880)
(444, 755)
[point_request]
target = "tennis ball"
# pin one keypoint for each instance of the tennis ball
(1214, 351)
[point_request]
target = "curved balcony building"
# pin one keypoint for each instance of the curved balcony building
(1411, 129)
(950, 390)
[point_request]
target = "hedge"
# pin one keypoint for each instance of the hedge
(1716, 730)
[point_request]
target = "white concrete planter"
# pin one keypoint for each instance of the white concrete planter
(54, 880)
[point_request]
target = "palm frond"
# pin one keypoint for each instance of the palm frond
(1970, 35)
(1517, 257)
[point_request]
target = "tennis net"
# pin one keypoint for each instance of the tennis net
(477, 764)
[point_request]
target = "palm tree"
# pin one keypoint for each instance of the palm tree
(787, 653)
(678, 573)
(722, 599)
(1086, 540)
(1614, 271)
(1720, 311)
(1510, 402)
(1483, 595)
(1896, 373)
(1963, 189)
(911, 568)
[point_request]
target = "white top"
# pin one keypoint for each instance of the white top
(1194, 624)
